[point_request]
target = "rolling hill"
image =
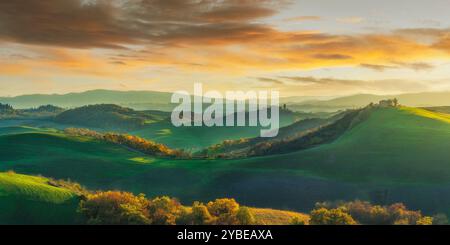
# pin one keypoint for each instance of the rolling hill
(393, 155)
(47, 111)
(425, 99)
(198, 138)
(151, 125)
(242, 147)
(24, 199)
(150, 99)
(109, 117)
(27, 199)
(392, 144)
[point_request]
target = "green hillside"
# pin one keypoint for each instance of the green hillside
(24, 199)
(21, 130)
(61, 156)
(107, 117)
(401, 153)
(198, 138)
(392, 144)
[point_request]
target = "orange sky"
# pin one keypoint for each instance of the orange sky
(296, 47)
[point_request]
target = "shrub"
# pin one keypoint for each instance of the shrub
(245, 217)
(425, 221)
(366, 213)
(219, 212)
(197, 215)
(68, 184)
(115, 208)
(323, 216)
(164, 210)
(225, 210)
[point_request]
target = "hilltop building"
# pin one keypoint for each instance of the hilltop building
(388, 103)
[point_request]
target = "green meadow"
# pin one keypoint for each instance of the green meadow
(31, 200)
(401, 151)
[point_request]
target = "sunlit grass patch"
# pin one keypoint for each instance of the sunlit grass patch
(142, 160)
(32, 187)
(429, 114)
(267, 216)
(163, 132)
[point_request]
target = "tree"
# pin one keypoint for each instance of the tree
(225, 210)
(197, 215)
(426, 220)
(164, 210)
(115, 208)
(245, 217)
(323, 216)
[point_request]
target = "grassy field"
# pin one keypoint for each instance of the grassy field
(26, 199)
(161, 131)
(266, 216)
(403, 145)
(198, 138)
(398, 151)
(30, 200)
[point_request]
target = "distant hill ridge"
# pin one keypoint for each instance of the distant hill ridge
(70, 100)
(425, 99)
(161, 100)
(108, 117)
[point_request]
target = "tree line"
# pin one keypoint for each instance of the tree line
(125, 208)
(134, 142)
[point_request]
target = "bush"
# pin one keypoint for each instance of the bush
(369, 214)
(197, 215)
(219, 212)
(115, 208)
(323, 216)
(68, 184)
(245, 217)
(425, 221)
(164, 211)
(298, 221)
(225, 210)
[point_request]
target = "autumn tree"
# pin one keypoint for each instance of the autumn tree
(224, 210)
(115, 208)
(245, 217)
(164, 210)
(197, 215)
(323, 216)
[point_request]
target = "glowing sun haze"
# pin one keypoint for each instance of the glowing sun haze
(311, 48)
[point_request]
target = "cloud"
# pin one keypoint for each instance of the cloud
(438, 38)
(117, 23)
(379, 68)
(333, 86)
(304, 18)
(200, 39)
(269, 80)
(351, 20)
(332, 56)
(323, 81)
(416, 66)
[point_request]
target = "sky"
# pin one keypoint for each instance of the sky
(300, 48)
